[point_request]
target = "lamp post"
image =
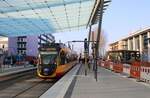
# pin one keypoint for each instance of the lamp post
(86, 54)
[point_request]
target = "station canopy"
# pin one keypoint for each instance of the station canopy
(26, 17)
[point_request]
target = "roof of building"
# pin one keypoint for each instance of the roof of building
(138, 32)
(134, 34)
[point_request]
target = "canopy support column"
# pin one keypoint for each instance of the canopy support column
(98, 36)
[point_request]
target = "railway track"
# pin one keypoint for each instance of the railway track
(24, 85)
(8, 80)
(30, 88)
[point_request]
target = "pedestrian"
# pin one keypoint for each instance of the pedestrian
(1, 63)
(80, 58)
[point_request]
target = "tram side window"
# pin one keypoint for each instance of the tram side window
(62, 57)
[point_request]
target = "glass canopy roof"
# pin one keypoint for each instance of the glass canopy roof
(25, 17)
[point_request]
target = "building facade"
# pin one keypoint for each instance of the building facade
(4, 43)
(138, 41)
(28, 45)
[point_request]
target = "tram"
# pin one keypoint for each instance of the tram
(55, 60)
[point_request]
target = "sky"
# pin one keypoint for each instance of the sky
(70, 36)
(124, 17)
(121, 18)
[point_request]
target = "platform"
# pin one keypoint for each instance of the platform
(15, 69)
(109, 85)
(60, 88)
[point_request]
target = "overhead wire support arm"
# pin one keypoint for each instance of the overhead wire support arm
(95, 15)
(81, 41)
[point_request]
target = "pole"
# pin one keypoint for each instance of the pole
(72, 46)
(85, 63)
(89, 37)
(98, 35)
(85, 54)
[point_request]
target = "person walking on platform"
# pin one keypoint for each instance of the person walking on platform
(1, 63)
(80, 58)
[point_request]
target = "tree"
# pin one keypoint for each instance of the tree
(103, 40)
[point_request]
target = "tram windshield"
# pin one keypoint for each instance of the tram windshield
(123, 56)
(48, 57)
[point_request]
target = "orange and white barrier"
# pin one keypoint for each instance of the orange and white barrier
(145, 71)
(102, 63)
(145, 74)
(107, 65)
(111, 65)
(118, 67)
(126, 69)
(138, 70)
(135, 71)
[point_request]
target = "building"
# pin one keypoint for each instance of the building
(4, 43)
(27, 45)
(138, 41)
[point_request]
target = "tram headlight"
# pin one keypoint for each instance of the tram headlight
(46, 71)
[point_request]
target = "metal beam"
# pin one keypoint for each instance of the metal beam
(81, 41)
(96, 9)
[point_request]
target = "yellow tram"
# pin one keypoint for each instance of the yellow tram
(55, 60)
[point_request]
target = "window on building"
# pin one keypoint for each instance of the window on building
(3, 46)
(131, 43)
(24, 52)
(137, 43)
(145, 41)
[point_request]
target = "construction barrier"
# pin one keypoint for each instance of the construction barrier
(145, 71)
(118, 67)
(107, 65)
(135, 70)
(145, 74)
(126, 69)
(102, 63)
(111, 65)
(138, 70)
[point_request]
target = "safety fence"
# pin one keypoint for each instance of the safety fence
(138, 70)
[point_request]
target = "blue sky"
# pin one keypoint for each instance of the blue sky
(121, 18)
(70, 36)
(125, 16)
